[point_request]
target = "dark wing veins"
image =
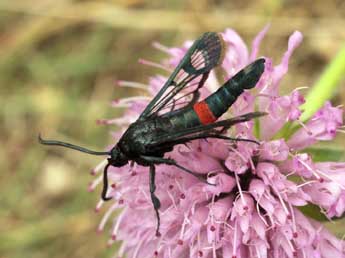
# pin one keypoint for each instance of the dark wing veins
(204, 131)
(189, 76)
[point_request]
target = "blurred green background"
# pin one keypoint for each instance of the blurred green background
(59, 60)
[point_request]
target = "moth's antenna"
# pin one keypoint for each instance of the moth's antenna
(70, 146)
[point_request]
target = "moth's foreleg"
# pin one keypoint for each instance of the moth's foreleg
(155, 201)
(216, 136)
(172, 162)
(105, 184)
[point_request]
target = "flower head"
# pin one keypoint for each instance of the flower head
(250, 207)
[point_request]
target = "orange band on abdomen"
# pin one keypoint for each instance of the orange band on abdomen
(204, 113)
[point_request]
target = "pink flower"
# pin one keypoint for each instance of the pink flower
(251, 210)
(322, 127)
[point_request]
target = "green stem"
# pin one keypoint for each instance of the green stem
(325, 86)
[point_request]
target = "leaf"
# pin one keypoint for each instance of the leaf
(313, 211)
(325, 154)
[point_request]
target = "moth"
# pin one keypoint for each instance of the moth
(177, 116)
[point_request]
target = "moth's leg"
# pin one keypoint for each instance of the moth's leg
(230, 138)
(211, 135)
(172, 162)
(155, 201)
(234, 139)
(105, 184)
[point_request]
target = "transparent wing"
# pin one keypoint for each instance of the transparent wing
(182, 87)
(214, 129)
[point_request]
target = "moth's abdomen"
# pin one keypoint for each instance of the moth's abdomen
(185, 119)
(210, 109)
(204, 113)
(220, 101)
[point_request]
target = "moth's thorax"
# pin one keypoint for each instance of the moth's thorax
(140, 136)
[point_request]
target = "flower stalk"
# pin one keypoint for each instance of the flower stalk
(326, 86)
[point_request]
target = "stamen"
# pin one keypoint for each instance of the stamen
(291, 173)
(145, 194)
(169, 252)
(294, 227)
(117, 225)
(244, 158)
(234, 243)
(111, 241)
(258, 210)
(161, 47)
(214, 249)
(309, 132)
(136, 250)
(106, 217)
(307, 183)
(228, 225)
(183, 227)
(300, 88)
(118, 121)
(99, 205)
(95, 183)
(280, 198)
(268, 83)
(172, 199)
(153, 64)
(309, 168)
(303, 253)
(179, 186)
(303, 184)
(212, 210)
(257, 251)
(291, 245)
(331, 179)
(99, 167)
(271, 97)
(340, 131)
(123, 102)
(240, 190)
(167, 210)
(122, 249)
(129, 84)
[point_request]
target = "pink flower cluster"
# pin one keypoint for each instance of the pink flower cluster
(252, 211)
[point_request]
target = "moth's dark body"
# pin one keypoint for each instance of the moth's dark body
(156, 132)
(140, 135)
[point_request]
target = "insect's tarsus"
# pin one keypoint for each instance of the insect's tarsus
(155, 201)
(105, 184)
(71, 146)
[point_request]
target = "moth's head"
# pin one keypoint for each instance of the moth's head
(117, 158)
